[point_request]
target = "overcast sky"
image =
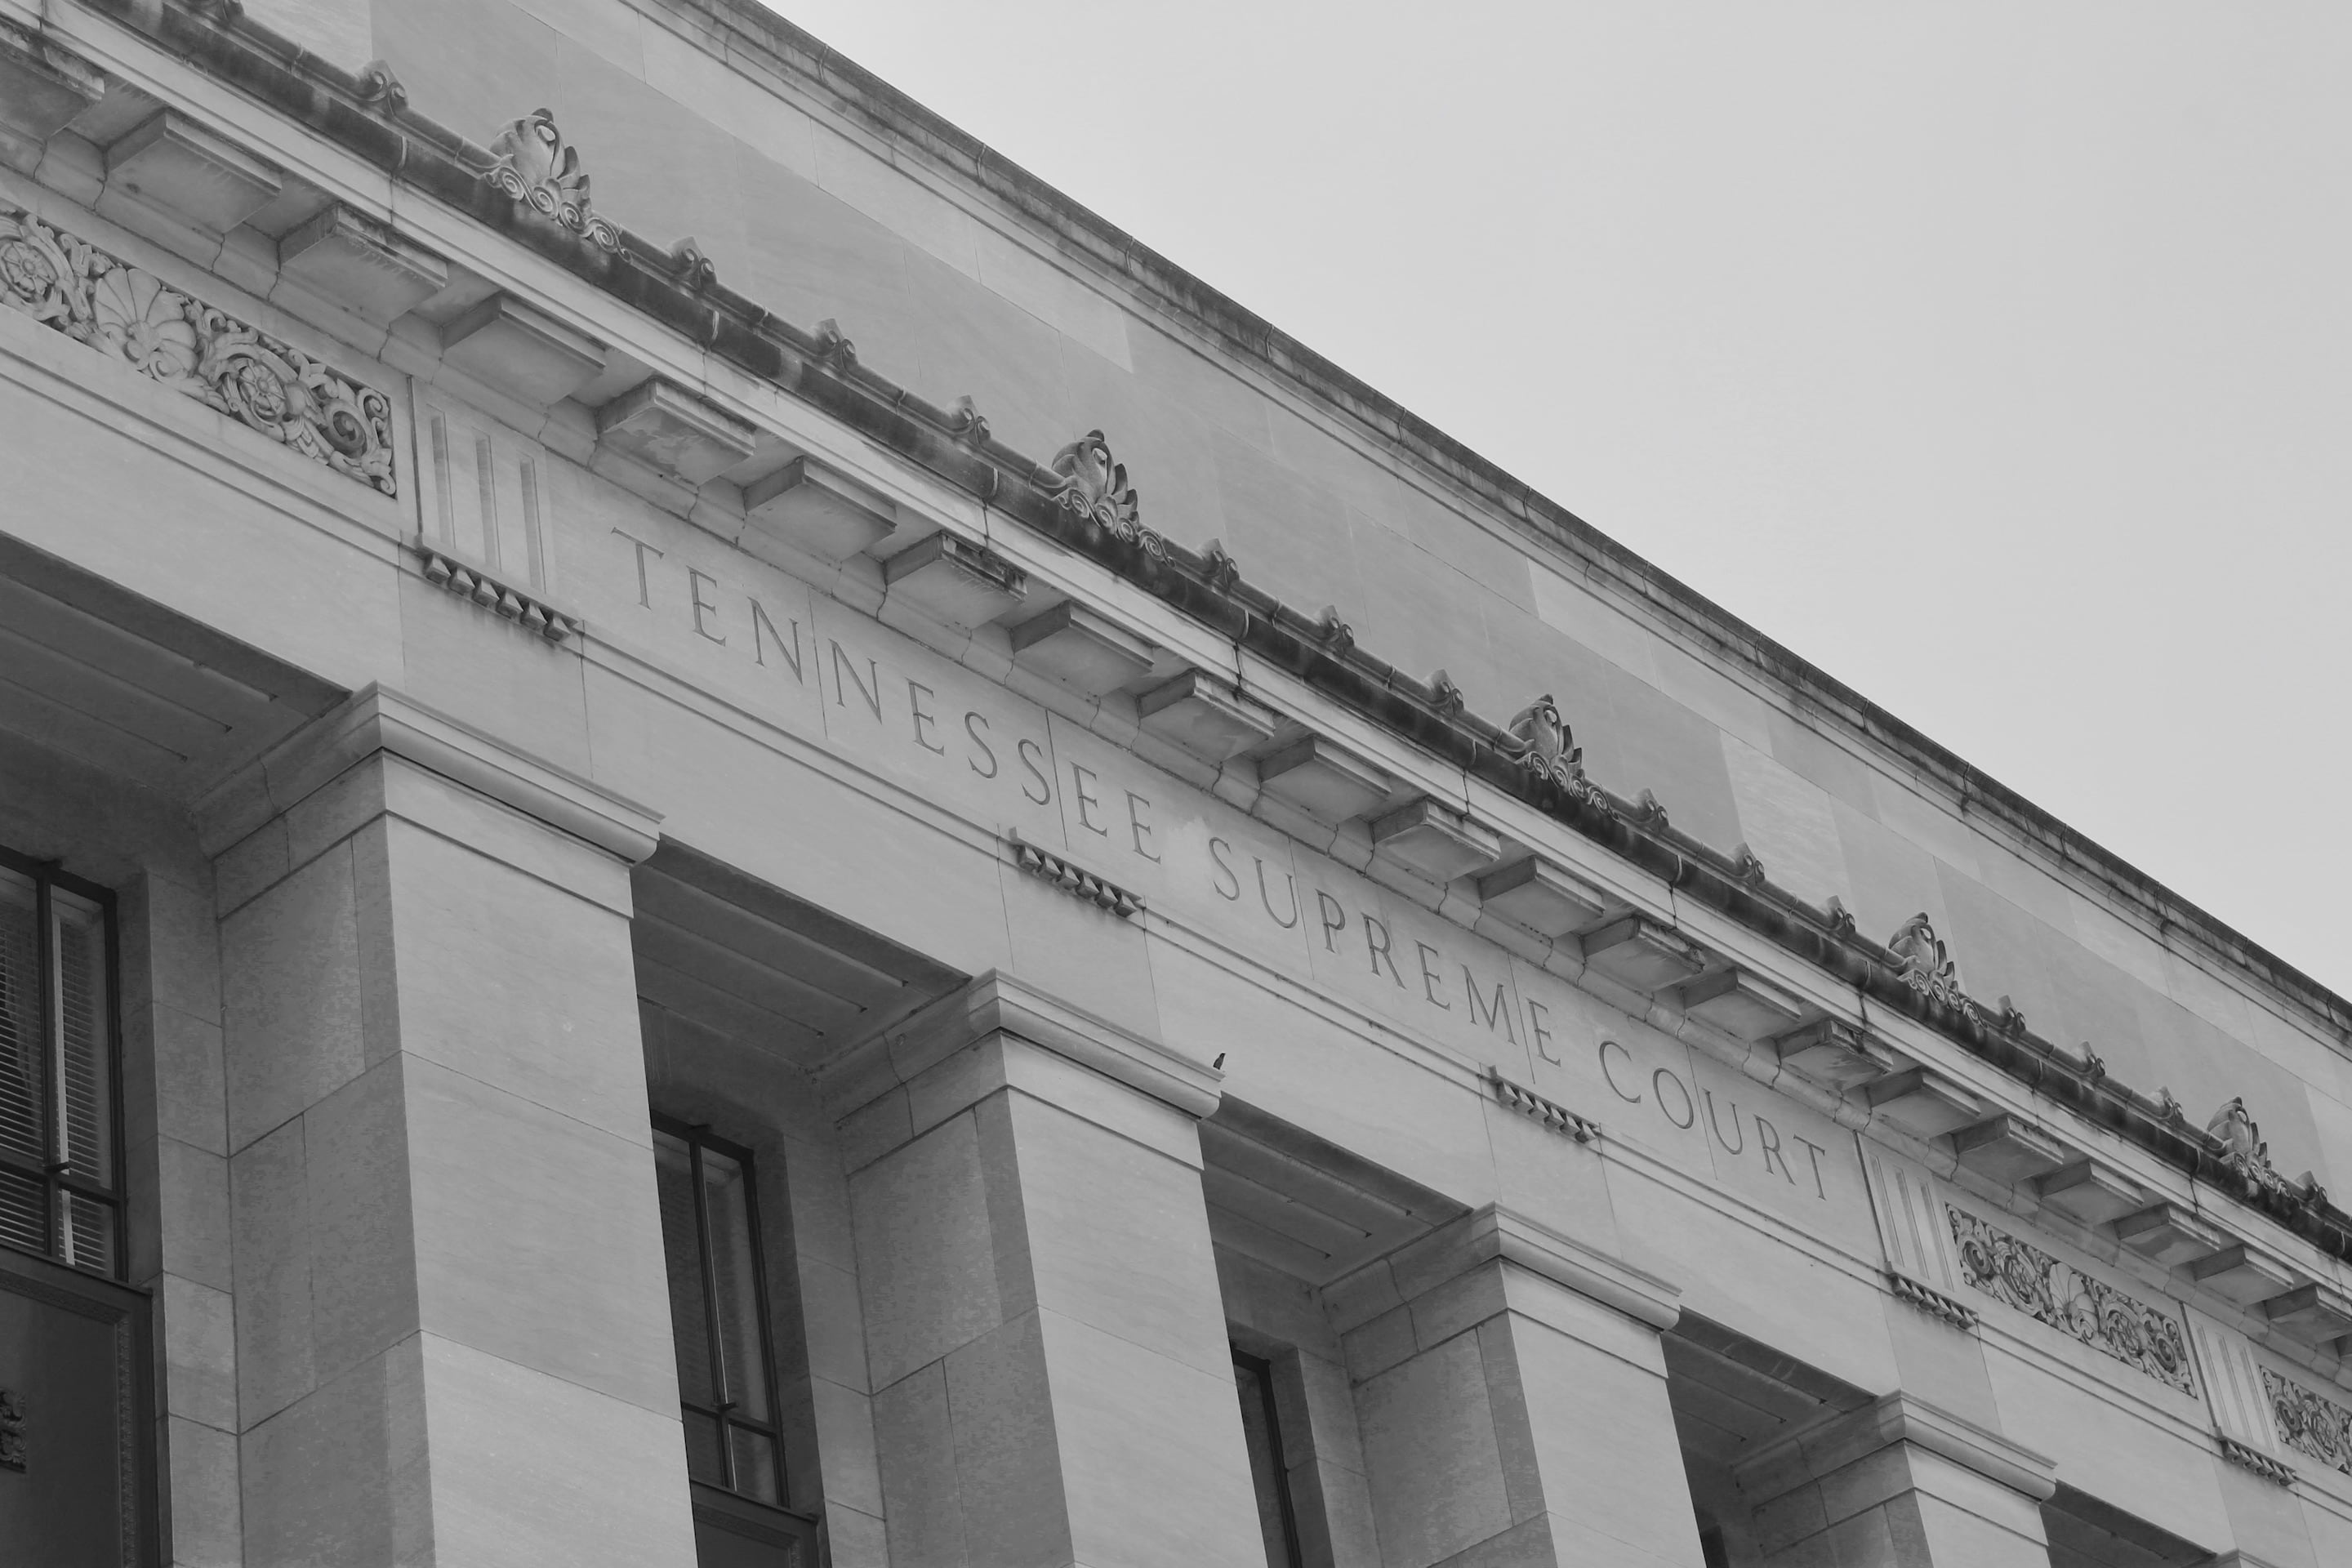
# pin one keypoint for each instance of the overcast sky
(1997, 358)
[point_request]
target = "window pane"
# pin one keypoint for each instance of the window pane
(755, 1466)
(1267, 1476)
(702, 1450)
(735, 1264)
(23, 1072)
(689, 1319)
(24, 1214)
(84, 1049)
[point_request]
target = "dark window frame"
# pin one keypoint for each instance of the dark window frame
(1262, 1369)
(697, 1137)
(56, 1178)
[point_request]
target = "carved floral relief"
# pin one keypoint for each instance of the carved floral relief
(131, 315)
(2028, 1278)
(1087, 482)
(2315, 1427)
(1925, 967)
(1547, 749)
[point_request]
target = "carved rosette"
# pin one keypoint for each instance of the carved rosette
(1085, 481)
(131, 315)
(2315, 1427)
(1925, 967)
(2028, 1278)
(535, 165)
(1546, 750)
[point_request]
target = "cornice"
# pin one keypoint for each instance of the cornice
(1085, 512)
(1080, 235)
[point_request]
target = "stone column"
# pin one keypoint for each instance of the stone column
(1898, 1484)
(452, 1326)
(1044, 1334)
(1512, 1394)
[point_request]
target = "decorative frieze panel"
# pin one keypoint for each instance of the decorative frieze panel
(2315, 1427)
(2142, 1337)
(131, 315)
(1551, 1112)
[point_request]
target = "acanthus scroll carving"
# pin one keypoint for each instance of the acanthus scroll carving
(2315, 1427)
(1088, 482)
(2053, 1292)
(534, 165)
(1925, 967)
(2245, 1154)
(131, 315)
(1547, 749)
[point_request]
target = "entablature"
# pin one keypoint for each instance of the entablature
(487, 272)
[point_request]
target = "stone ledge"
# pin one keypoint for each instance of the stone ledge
(995, 1003)
(1495, 1234)
(1811, 1453)
(379, 719)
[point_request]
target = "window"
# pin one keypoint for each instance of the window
(60, 1182)
(717, 1311)
(1269, 1476)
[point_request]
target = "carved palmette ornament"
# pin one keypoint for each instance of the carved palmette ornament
(131, 315)
(1546, 752)
(2245, 1154)
(534, 165)
(1085, 481)
(1925, 967)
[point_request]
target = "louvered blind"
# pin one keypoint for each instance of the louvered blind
(57, 1180)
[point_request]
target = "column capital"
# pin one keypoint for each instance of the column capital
(377, 719)
(1498, 1236)
(1001, 1006)
(1810, 1453)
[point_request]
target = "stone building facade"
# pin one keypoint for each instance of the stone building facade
(522, 1042)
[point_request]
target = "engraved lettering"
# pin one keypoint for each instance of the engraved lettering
(1334, 919)
(1141, 830)
(643, 597)
(693, 582)
(1816, 1151)
(1022, 748)
(1218, 849)
(1267, 899)
(1708, 1095)
(1082, 790)
(1610, 1073)
(1429, 976)
(1768, 1143)
(1542, 1037)
(1689, 1118)
(972, 726)
(873, 695)
(1501, 1007)
(916, 692)
(759, 619)
(1376, 945)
